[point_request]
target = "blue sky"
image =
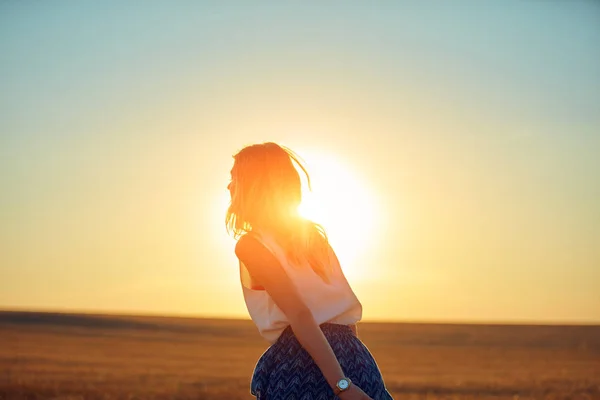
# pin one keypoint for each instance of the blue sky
(474, 125)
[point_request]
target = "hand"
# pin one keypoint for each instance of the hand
(354, 393)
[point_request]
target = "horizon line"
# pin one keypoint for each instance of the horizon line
(98, 312)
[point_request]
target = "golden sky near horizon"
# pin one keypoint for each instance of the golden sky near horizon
(453, 151)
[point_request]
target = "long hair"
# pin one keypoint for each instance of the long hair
(265, 194)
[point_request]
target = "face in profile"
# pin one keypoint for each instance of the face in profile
(231, 185)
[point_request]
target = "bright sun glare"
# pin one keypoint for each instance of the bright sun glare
(343, 205)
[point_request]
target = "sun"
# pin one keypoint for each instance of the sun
(343, 205)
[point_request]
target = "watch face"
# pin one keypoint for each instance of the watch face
(343, 384)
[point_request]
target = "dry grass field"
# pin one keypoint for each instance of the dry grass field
(72, 357)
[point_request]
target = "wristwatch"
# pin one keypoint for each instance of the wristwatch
(342, 385)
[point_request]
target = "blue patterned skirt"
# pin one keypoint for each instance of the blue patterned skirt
(287, 372)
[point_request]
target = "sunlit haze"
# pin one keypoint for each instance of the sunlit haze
(453, 150)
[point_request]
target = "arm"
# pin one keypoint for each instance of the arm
(266, 269)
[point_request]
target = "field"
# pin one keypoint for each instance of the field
(72, 357)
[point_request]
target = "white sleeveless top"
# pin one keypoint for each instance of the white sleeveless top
(333, 302)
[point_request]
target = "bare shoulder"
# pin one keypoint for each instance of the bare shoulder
(260, 262)
(268, 272)
(249, 248)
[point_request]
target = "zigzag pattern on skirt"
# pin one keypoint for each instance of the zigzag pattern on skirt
(287, 372)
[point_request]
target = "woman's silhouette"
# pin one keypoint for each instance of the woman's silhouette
(294, 288)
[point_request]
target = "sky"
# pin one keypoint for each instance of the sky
(454, 151)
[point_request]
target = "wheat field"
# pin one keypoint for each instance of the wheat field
(76, 357)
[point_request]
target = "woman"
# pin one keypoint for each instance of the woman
(294, 288)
